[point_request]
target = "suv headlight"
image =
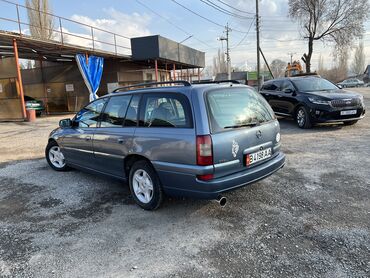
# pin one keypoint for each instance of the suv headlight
(319, 101)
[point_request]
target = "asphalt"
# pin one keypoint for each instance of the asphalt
(310, 219)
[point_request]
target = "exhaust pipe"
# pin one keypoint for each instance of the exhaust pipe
(221, 200)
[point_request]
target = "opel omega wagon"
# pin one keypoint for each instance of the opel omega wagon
(196, 140)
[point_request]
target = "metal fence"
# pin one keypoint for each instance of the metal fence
(14, 18)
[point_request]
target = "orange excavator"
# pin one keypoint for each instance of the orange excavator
(293, 69)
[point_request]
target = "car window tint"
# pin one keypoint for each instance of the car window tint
(89, 115)
(234, 107)
(132, 111)
(286, 84)
(115, 111)
(269, 87)
(166, 111)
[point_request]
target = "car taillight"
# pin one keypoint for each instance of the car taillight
(204, 150)
(204, 154)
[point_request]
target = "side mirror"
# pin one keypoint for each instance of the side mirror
(288, 91)
(340, 86)
(65, 123)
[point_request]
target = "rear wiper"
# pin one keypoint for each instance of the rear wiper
(243, 125)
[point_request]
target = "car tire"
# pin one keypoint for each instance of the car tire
(302, 118)
(38, 113)
(350, 122)
(145, 186)
(55, 157)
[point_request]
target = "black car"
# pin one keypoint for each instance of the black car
(312, 99)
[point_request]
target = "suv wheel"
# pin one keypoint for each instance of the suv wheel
(55, 157)
(302, 118)
(145, 186)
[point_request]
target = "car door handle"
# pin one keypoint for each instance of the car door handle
(120, 141)
(88, 138)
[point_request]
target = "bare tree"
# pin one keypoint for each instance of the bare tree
(219, 63)
(320, 66)
(338, 21)
(41, 23)
(278, 67)
(358, 64)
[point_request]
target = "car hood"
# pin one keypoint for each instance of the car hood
(334, 94)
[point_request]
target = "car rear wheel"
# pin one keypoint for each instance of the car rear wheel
(145, 186)
(350, 122)
(55, 157)
(302, 118)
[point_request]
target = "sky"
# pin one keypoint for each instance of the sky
(280, 36)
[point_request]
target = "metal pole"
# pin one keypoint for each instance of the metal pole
(19, 21)
(19, 78)
(264, 58)
(61, 30)
(156, 70)
(198, 74)
(228, 53)
(92, 36)
(258, 46)
(166, 72)
(115, 43)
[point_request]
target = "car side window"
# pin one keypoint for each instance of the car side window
(166, 110)
(90, 114)
(115, 111)
(132, 111)
(286, 85)
(269, 87)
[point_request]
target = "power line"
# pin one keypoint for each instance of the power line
(250, 26)
(222, 10)
(234, 8)
(171, 23)
(205, 18)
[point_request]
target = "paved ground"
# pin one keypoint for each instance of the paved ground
(311, 219)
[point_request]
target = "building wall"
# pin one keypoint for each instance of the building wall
(10, 102)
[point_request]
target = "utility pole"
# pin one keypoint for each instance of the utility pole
(228, 59)
(258, 46)
(291, 56)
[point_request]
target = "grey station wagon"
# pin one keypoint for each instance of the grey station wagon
(196, 140)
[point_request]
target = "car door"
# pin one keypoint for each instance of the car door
(275, 97)
(268, 89)
(287, 97)
(113, 138)
(77, 142)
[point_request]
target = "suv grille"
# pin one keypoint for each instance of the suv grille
(345, 102)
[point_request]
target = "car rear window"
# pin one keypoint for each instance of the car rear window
(235, 107)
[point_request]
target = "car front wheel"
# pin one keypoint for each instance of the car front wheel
(145, 186)
(302, 118)
(55, 157)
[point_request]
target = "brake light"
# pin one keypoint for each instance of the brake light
(204, 150)
(204, 154)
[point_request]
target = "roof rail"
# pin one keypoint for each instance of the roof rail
(216, 82)
(185, 83)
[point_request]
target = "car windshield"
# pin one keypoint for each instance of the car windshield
(313, 84)
(237, 107)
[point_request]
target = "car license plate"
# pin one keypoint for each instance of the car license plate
(348, 112)
(258, 156)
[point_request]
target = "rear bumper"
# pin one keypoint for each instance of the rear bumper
(186, 184)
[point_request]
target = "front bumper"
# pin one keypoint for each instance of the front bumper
(328, 114)
(186, 184)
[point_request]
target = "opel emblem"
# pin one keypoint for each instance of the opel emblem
(259, 134)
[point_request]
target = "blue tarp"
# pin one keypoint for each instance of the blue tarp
(91, 72)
